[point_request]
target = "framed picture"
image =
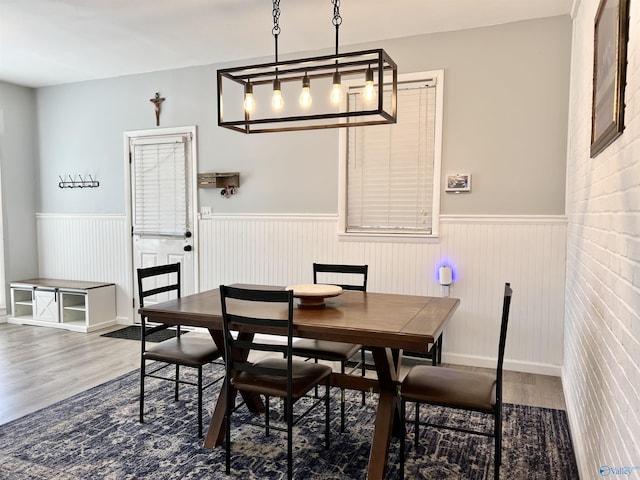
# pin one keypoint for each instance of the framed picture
(611, 33)
(458, 182)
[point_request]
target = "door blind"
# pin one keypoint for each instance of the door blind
(160, 196)
(391, 167)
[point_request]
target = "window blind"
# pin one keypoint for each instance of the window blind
(160, 190)
(390, 168)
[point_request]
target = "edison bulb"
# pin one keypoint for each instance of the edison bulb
(277, 102)
(369, 90)
(336, 91)
(305, 96)
(249, 102)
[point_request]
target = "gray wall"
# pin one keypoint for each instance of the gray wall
(20, 180)
(506, 103)
(506, 100)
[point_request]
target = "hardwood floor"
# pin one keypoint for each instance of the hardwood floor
(43, 365)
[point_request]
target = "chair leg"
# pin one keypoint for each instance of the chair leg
(498, 445)
(289, 413)
(229, 409)
(327, 413)
(266, 414)
(315, 360)
(200, 401)
(364, 372)
(436, 352)
(142, 375)
(403, 408)
(416, 428)
(177, 382)
(342, 364)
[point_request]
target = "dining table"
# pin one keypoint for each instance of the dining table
(386, 324)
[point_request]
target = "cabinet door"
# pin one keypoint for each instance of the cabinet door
(46, 305)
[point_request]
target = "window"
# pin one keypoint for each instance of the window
(390, 175)
(159, 169)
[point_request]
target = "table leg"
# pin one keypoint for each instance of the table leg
(216, 431)
(388, 412)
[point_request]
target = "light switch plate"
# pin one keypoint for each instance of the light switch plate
(205, 212)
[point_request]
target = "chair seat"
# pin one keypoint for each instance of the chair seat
(305, 376)
(450, 387)
(325, 350)
(190, 350)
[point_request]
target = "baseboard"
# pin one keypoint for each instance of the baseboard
(511, 365)
(474, 361)
(579, 447)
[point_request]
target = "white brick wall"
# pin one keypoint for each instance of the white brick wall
(601, 372)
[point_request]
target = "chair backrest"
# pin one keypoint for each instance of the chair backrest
(361, 270)
(250, 311)
(506, 304)
(166, 279)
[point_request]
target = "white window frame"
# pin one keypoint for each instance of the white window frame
(438, 78)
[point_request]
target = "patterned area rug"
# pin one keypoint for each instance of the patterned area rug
(96, 435)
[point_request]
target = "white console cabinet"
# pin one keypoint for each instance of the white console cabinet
(73, 305)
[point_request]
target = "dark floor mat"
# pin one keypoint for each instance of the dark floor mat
(132, 332)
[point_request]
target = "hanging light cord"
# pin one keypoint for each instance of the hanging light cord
(337, 20)
(276, 24)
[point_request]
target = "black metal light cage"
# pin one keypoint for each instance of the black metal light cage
(352, 67)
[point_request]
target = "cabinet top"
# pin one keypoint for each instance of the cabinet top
(57, 283)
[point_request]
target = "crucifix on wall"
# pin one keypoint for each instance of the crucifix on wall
(157, 101)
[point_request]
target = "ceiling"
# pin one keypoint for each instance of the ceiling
(49, 42)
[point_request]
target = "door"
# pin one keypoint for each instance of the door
(161, 166)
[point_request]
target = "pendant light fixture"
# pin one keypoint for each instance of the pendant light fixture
(336, 90)
(277, 102)
(343, 77)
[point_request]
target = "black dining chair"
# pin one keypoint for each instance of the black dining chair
(336, 351)
(247, 311)
(194, 350)
(458, 389)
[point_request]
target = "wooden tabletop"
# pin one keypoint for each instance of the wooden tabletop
(406, 322)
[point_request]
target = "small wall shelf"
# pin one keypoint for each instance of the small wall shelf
(219, 180)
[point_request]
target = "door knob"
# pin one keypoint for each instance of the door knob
(188, 248)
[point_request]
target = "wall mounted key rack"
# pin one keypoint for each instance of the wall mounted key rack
(81, 183)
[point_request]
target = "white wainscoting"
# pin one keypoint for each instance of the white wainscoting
(484, 252)
(88, 248)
